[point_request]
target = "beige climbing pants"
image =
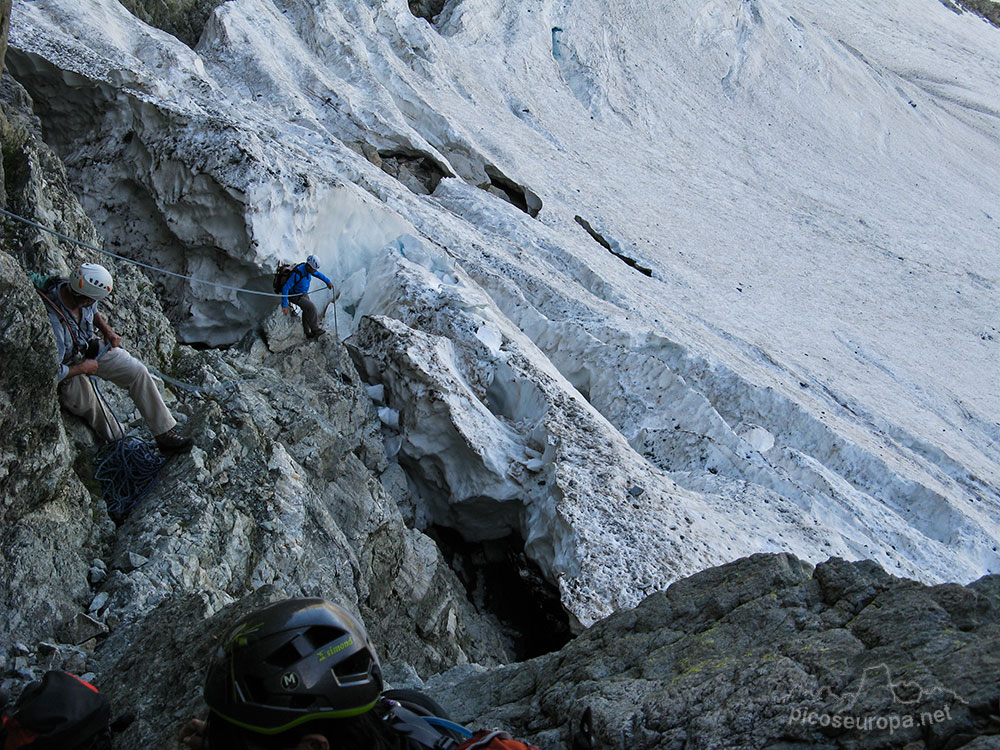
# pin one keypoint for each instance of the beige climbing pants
(77, 395)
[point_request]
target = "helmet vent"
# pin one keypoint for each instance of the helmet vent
(356, 666)
(285, 656)
(322, 635)
(255, 690)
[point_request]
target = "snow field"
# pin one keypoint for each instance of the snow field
(808, 366)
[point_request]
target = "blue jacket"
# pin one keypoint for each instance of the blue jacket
(298, 282)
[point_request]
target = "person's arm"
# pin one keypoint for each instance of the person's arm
(64, 342)
(86, 367)
(329, 284)
(109, 335)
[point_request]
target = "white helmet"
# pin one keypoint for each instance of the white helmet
(91, 280)
(313, 261)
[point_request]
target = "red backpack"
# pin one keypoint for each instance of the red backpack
(493, 740)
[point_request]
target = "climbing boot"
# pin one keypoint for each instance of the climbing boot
(170, 443)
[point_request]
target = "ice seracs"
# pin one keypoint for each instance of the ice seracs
(796, 358)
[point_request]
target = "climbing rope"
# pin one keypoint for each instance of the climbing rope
(210, 389)
(128, 469)
(62, 236)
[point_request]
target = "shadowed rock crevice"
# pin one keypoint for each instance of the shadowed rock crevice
(419, 172)
(4, 27)
(184, 19)
(501, 581)
(427, 9)
(503, 187)
(614, 249)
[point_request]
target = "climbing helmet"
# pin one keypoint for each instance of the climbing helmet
(291, 662)
(91, 280)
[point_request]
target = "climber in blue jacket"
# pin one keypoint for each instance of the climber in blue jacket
(296, 291)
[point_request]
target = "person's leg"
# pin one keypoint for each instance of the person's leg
(310, 318)
(79, 397)
(124, 370)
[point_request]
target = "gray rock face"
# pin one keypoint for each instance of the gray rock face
(427, 9)
(185, 19)
(764, 652)
(281, 497)
(47, 528)
(4, 27)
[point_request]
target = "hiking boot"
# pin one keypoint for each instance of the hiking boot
(170, 443)
(316, 334)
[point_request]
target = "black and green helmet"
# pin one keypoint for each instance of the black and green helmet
(291, 662)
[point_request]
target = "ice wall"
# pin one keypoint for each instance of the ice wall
(656, 287)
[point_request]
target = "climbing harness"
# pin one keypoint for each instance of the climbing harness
(127, 468)
(62, 236)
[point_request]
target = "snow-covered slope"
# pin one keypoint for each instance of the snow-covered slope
(757, 309)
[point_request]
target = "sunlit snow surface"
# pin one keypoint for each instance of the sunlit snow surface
(810, 363)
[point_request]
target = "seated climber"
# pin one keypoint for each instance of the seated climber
(302, 674)
(71, 305)
(296, 291)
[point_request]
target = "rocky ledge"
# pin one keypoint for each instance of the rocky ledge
(765, 652)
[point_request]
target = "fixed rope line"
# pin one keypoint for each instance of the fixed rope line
(62, 236)
(208, 389)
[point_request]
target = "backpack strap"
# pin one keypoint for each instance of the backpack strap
(14, 735)
(46, 294)
(297, 271)
(415, 729)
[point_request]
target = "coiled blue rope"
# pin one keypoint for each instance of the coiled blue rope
(128, 469)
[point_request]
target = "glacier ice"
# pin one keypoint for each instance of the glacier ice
(807, 366)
